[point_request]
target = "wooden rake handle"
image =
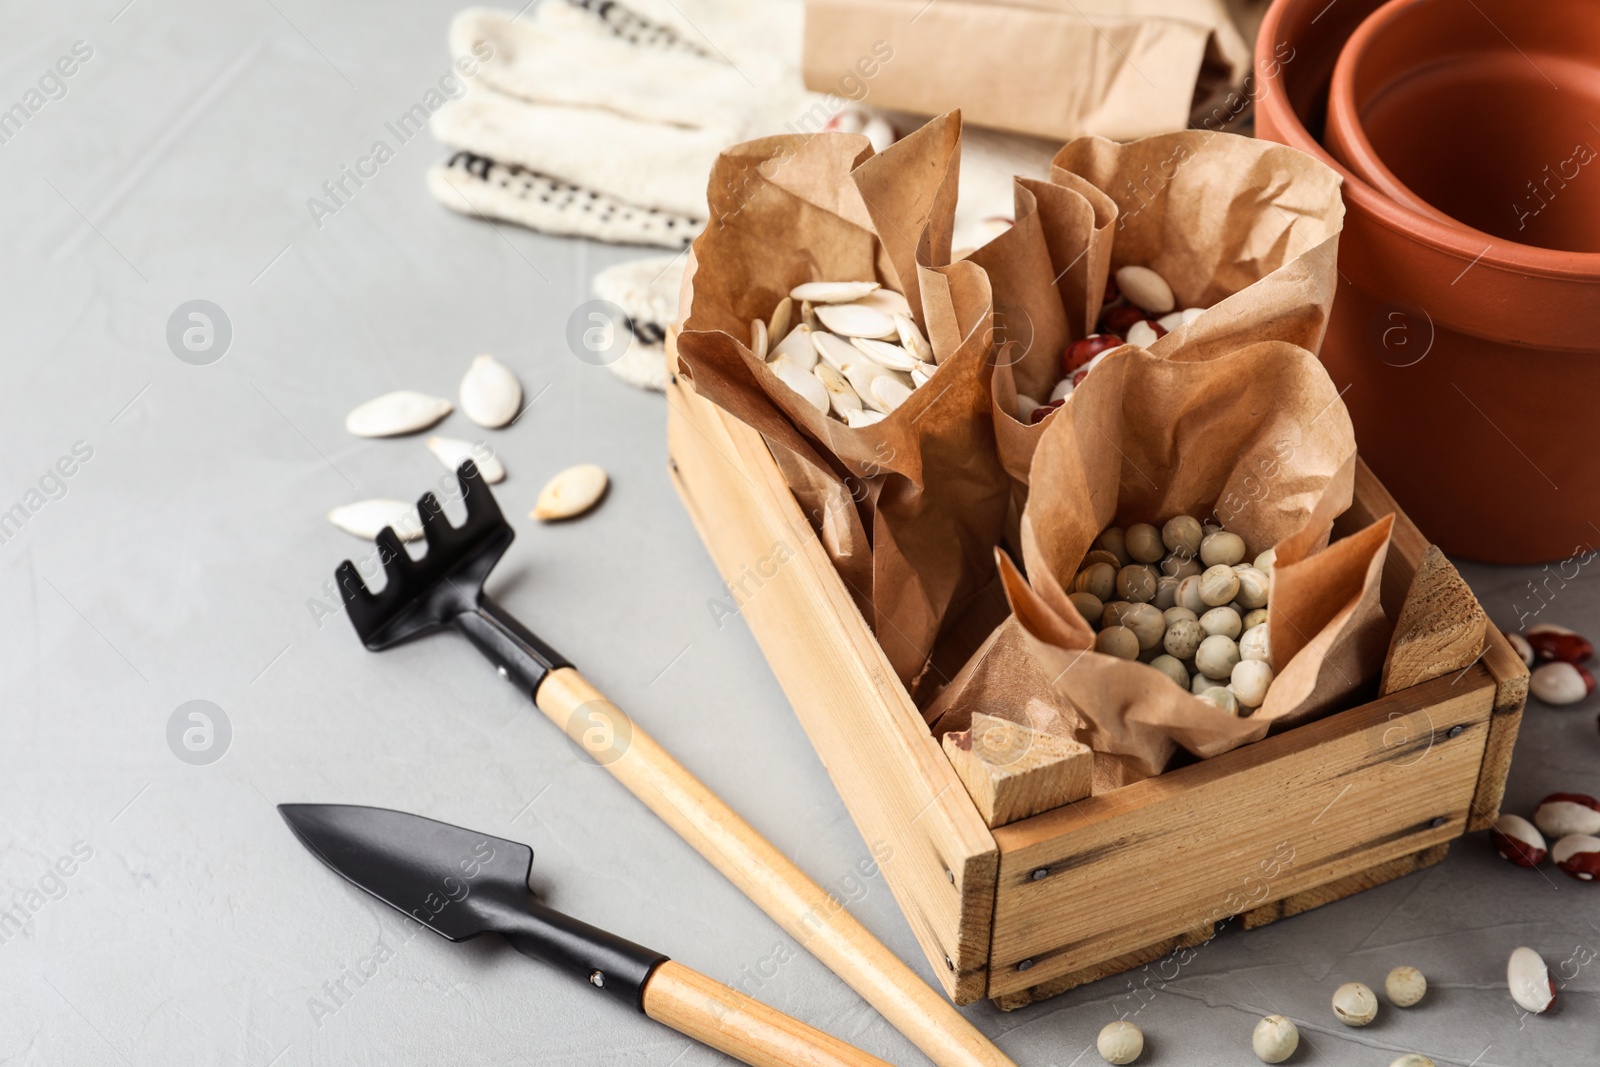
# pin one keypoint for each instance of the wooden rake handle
(712, 1014)
(797, 904)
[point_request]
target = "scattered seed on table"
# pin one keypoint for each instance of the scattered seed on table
(1119, 1042)
(1405, 986)
(570, 493)
(1354, 1004)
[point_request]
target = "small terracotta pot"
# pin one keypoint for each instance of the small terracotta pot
(1438, 110)
(1471, 366)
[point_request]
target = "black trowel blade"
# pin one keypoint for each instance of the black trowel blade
(457, 882)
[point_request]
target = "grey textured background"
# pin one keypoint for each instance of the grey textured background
(182, 561)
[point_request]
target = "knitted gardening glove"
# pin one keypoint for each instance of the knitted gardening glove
(647, 292)
(605, 121)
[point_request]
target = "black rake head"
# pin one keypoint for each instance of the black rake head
(420, 595)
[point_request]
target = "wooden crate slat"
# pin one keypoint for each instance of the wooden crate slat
(900, 790)
(1162, 856)
(1511, 694)
(1127, 961)
(1339, 888)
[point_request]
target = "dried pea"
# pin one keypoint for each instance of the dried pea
(1099, 579)
(1221, 547)
(1216, 657)
(1218, 585)
(1147, 625)
(1113, 540)
(1144, 543)
(1088, 605)
(1117, 641)
(1136, 582)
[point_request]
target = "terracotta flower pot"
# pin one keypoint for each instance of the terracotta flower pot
(1471, 365)
(1494, 136)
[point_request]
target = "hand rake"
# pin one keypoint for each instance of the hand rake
(445, 588)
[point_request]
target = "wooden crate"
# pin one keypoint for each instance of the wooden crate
(1111, 882)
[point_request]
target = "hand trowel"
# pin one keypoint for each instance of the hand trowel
(459, 884)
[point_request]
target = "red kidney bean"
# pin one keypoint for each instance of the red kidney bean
(1042, 410)
(1083, 350)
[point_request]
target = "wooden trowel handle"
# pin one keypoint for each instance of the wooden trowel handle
(747, 1030)
(762, 873)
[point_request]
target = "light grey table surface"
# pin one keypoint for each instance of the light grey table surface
(183, 560)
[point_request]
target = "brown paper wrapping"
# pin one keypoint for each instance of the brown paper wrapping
(924, 487)
(1051, 68)
(1247, 229)
(1256, 440)
(911, 509)
(1243, 227)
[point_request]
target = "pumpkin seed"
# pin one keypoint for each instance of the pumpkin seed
(452, 451)
(841, 397)
(366, 518)
(861, 374)
(855, 320)
(911, 338)
(797, 348)
(890, 392)
(404, 411)
(857, 419)
(887, 301)
(832, 292)
(802, 381)
(778, 325)
(570, 493)
(885, 354)
(758, 339)
(490, 393)
(836, 352)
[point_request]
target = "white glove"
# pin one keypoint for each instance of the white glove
(604, 122)
(647, 292)
(607, 125)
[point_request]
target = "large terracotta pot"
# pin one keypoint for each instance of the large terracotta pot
(1471, 365)
(1495, 136)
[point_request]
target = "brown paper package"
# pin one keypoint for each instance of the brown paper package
(1247, 230)
(1256, 440)
(909, 508)
(1051, 68)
